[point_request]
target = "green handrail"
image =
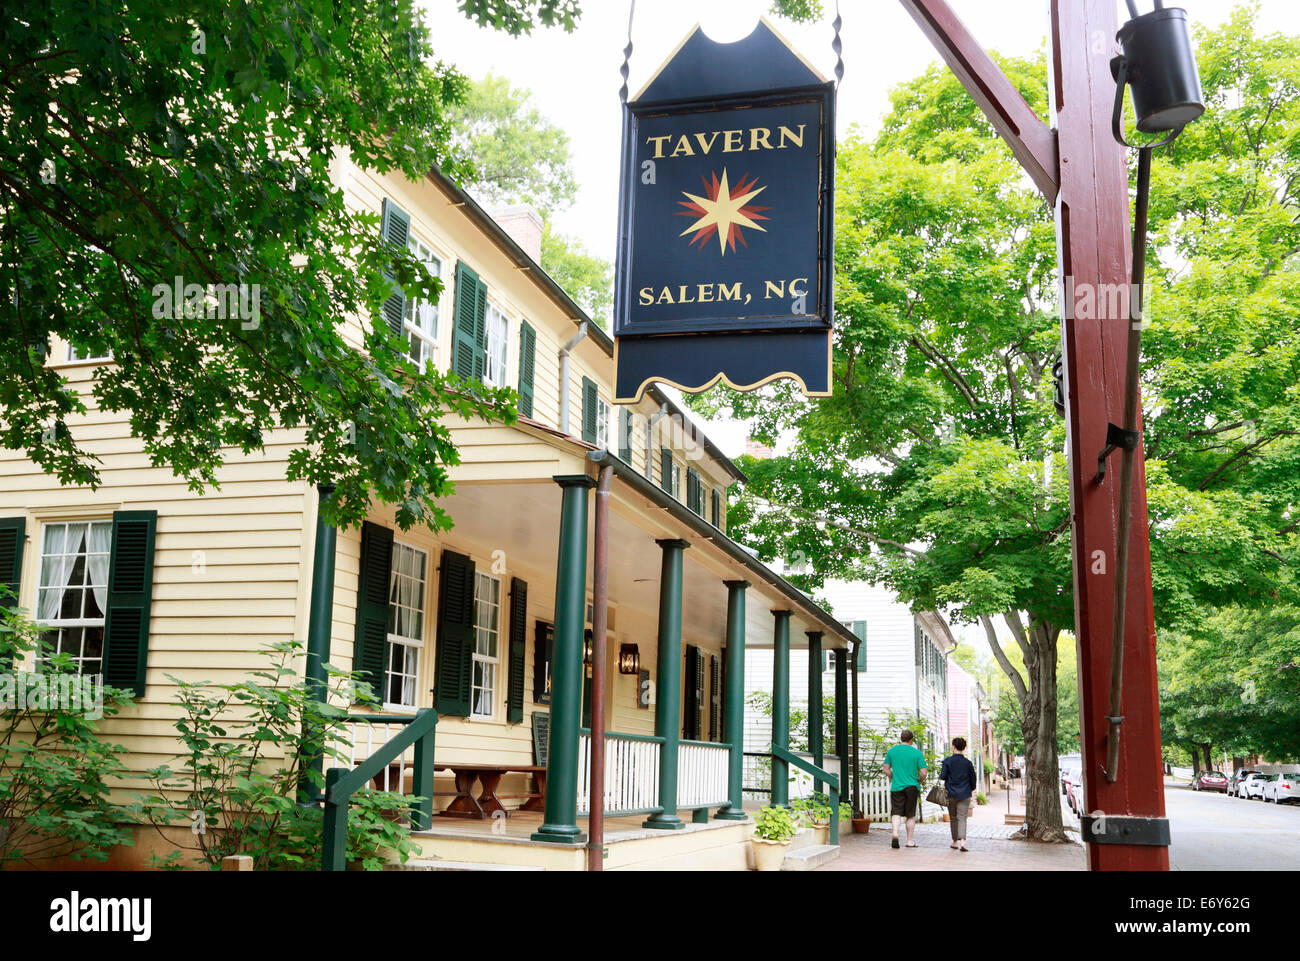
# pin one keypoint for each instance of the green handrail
(341, 783)
(832, 783)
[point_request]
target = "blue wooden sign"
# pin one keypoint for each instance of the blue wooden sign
(725, 244)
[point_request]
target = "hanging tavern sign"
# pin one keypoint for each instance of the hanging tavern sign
(725, 253)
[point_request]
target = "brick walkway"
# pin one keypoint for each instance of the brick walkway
(986, 835)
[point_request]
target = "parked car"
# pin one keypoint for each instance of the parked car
(1234, 783)
(1210, 781)
(1283, 789)
(1072, 785)
(1253, 785)
(1064, 763)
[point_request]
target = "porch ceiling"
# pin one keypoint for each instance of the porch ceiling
(523, 520)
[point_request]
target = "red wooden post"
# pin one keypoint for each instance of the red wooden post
(1093, 230)
(1085, 173)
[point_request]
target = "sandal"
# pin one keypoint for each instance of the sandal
(911, 845)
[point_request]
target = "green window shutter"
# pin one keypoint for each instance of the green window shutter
(130, 593)
(543, 649)
(395, 228)
(715, 698)
(590, 409)
(693, 695)
(518, 630)
(692, 488)
(370, 641)
(469, 331)
(717, 510)
(13, 537)
(666, 469)
(455, 649)
(527, 368)
(625, 435)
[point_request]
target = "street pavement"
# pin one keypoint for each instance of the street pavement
(1213, 832)
(1209, 832)
(988, 837)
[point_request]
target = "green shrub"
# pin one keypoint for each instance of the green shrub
(238, 786)
(55, 768)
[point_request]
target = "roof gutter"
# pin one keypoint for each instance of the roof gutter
(698, 525)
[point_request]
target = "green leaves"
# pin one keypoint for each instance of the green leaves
(199, 152)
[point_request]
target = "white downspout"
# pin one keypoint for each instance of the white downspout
(564, 375)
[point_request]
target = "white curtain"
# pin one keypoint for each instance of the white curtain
(98, 542)
(57, 569)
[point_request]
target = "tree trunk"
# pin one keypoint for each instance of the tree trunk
(1037, 721)
(1196, 760)
(1209, 765)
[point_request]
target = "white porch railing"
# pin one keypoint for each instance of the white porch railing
(702, 774)
(368, 733)
(631, 773)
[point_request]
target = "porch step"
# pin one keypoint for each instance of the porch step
(437, 864)
(807, 858)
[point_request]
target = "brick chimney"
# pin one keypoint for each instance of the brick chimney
(754, 449)
(524, 225)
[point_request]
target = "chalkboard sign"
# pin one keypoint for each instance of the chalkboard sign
(541, 737)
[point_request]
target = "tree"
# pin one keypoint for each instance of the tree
(144, 146)
(518, 155)
(586, 278)
(936, 466)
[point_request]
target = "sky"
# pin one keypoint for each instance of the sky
(574, 78)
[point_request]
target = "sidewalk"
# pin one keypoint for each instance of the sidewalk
(987, 836)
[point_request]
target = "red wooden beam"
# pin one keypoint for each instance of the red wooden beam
(1081, 169)
(1031, 140)
(1093, 231)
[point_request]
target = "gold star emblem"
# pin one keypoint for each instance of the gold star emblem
(723, 211)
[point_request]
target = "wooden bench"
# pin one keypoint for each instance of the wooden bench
(465, 805)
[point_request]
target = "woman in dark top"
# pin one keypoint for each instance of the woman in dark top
(958, 776)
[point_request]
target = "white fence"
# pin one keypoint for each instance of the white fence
(875, 800)
(631, 773)
(702, 774)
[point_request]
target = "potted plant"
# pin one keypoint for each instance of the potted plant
(773, 829)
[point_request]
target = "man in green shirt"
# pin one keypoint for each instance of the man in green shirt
(905, 768)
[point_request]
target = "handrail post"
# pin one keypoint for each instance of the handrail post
(422, 779)
(334, 838)
(815, 719)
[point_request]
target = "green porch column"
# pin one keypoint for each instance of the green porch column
(781, 706)
(561, 816)
(668, 686)
(815, 719)
(842, 720)
(320, 621)
(734, 720)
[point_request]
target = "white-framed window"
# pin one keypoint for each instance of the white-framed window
(72, 590)
(487, 630)
(421, 318)
(408, 588)
(79, 355)
(677, 480)
(498, 338)
(603, 413)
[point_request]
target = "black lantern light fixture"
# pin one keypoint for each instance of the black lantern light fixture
(1157, 64)
(629, 659)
